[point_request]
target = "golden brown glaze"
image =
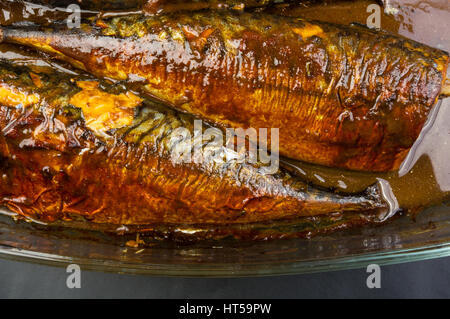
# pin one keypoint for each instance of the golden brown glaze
(95, 4)
(165, 6)
(161, 6)
(55, 167)
(13, 11)
(342, 96)
(169, 6)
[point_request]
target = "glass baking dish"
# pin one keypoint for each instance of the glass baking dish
(401, 240)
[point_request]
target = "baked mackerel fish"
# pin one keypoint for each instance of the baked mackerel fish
(76, 148)
(342, 96)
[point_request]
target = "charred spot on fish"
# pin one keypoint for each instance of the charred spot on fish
(71, 112)
(48, 173)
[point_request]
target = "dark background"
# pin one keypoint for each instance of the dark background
(424, 279)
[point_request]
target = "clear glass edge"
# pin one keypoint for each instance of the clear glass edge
(233, 270)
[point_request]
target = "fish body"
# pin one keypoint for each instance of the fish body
(74, 148)
(166, 6)
(341, 96)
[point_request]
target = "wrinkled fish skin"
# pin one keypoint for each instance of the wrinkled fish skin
(45, 12)
(54, 167)
(95, 4)
(165, 6)
(342, 96)
(157, 6)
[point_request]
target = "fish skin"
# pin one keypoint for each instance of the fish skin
(94, 4)
(158, 6)
(43, 12)
(342, 96)
(170, 6)
(154, 6)
(55, 168)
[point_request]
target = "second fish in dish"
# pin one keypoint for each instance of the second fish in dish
(341, 96)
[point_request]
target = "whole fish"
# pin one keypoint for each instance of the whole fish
(342, 96)
(72, 147)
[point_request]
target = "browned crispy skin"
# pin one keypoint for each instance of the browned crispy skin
(44, 12)
(342, 96)
(95, 4)
(14, 11)
(166, 6)
(159, 6)
(170, 6)
(54, 167)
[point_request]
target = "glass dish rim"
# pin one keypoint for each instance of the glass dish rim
(223, 270)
